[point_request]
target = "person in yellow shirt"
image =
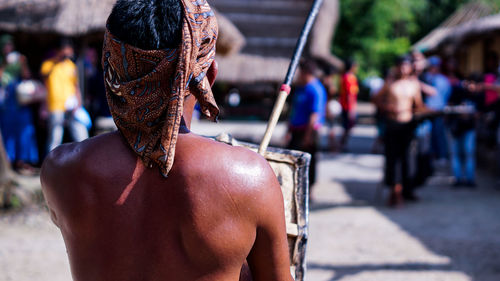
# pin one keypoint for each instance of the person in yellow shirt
(63, 96)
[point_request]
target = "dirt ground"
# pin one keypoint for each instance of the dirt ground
(31, 248)
(450, 235)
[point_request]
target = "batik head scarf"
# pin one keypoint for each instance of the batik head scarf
(146, 88)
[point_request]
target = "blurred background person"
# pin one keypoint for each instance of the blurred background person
(11, 60)
(375, 84)
(94, 91)
(16, 118)
(424, 164)
(490, 107)
(462, 129)
(63, 96)
(420, 64)
(487, 114)
(95, 94)
(490, 78)
(438, 102)
(349, 89)
(307, 114)
(330, 81)
(399, 98)
(333, 112)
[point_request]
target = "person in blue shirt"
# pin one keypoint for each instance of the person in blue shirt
(17, 128)
(437, 102)
(308, 113)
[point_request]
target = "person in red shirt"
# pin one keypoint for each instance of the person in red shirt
(349, 90)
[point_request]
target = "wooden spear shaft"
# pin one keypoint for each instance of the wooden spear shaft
(285, 88)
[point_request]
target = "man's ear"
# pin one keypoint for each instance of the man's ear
(212, 72)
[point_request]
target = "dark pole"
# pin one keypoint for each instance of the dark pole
(299, 49)
(285, 88)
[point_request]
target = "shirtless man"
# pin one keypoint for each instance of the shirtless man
(126, 214)
(399, 99)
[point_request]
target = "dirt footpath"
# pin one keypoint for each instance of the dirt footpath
(450, 235)
(31, 248)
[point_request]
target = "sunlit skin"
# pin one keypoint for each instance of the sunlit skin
(401, 95)
(219, 206)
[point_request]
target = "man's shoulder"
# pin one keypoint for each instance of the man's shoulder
(69, 63)
(319, 88)
(61, 157)
(350, 77)
(251, 182)
(76, 158)
(57, 173)
(46, 66)
(236, 159)
(48, 61)
(238, 169)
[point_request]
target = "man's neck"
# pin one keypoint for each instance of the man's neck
(309, 79)
(186, 118)
(404, 77)
(60, 58)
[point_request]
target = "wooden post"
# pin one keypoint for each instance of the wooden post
(6, 177)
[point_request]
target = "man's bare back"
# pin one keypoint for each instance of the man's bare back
(399, 100)
(219, 206)
(197, 216)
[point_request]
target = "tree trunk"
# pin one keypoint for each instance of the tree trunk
(6, 177)
(5, 169)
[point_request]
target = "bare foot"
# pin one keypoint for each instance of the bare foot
(396, 196)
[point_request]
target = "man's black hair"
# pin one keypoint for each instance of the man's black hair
(403, 59)
(348, 64)
(65, 42)
(147, 24)
(308, 66)
(326, 67)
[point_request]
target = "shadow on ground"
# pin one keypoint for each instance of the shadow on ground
(460, 224)
(344, 271)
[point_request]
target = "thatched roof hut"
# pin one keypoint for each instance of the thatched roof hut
(467, 14)
(271, 29)
(64, 17)
(475, 45)
(478, 27)
(75, 18)
(230, 40)
(264, 31)
(471, 37)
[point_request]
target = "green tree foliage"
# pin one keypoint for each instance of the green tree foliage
(374, 33)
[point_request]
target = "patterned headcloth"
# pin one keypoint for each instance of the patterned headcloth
(146, 88)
